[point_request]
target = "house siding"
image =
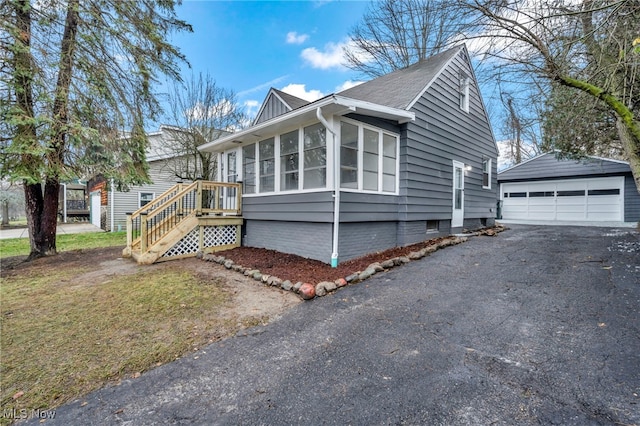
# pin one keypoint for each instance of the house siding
(273, 107)
(631, 200)
(127, 201)
(441, 133)
(301, 207)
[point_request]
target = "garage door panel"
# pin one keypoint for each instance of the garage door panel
(597, 199)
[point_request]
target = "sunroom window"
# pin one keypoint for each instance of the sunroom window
(315, 157)
(348, 155)
(249, 168)
(289, 154)
(368, 158)
(266, 150)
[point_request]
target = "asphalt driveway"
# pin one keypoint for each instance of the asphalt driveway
(539, 325)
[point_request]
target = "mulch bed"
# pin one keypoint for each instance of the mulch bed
(295, 268)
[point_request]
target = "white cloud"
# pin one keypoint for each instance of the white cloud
(348, 85)
(295, 38)
(300, 91)
(333, 55)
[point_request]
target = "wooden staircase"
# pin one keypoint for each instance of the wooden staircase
(202, 216)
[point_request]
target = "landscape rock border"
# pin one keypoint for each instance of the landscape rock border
(308, 291)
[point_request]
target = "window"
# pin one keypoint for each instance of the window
(432, 225)
(145, 198)
(538, 194)
(315, 157)
(515, 195)
(348, 155)
(368, 158)
(370, 161)
(464, 92)
(249, 168)
(577, 193)
(289, 154)
(388, 163)
(615, 191)
(486, 173)
(266, 150)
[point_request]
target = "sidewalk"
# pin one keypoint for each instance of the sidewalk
(63, 228)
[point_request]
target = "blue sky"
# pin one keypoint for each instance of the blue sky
(250, 46)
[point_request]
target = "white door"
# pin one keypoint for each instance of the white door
(230, 174)
(595, 199)
(95, 208)
(457, 215)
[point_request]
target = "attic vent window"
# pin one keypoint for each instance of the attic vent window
(464, 92)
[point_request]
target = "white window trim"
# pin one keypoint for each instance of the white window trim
(330, 155)
(153, 196)
(361, 126)
(489, 166)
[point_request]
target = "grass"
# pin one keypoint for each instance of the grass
(63, 336)
(20, 246)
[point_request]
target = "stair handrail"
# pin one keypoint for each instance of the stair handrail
(161, 204)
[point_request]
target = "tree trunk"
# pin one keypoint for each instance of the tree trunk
(5, 213)
(631, 148)
(42, 217)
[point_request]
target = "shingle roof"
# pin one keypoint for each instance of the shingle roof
(399, 88)
(293, 101)
(547, 166)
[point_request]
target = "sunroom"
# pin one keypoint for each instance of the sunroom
(311, 175)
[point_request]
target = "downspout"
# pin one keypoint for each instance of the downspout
(112, 206)
(336, 189)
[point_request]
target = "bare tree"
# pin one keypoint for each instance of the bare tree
(394, 34)
(201, 112)
(585, 46)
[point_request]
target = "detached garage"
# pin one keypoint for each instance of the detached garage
(545, 189)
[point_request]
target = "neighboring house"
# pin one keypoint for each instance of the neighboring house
(546, 189)
(391, 162)
(114, 205)
(73, 202)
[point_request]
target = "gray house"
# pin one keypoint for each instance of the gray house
(547, 189)
(394, 161)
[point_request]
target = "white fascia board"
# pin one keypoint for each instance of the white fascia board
(347, 105)
(377, 110)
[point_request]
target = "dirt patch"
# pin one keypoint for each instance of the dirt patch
(251, 302)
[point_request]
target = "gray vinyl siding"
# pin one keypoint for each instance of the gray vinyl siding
(127, 201)
(304, 207)
(359, 207)
(441, 133)
(631, 200)
(273, 107)
(306, 239)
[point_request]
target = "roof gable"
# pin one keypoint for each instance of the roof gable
(277, 103)
(400, 88)
(548, 166)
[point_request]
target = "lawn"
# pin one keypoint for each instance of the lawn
(64, 242)
(64, 333)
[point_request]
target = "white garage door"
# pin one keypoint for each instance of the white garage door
(596, 199)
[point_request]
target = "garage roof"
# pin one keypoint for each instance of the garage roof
(547, 166)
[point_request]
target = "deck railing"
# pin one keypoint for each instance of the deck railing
(147, 225)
